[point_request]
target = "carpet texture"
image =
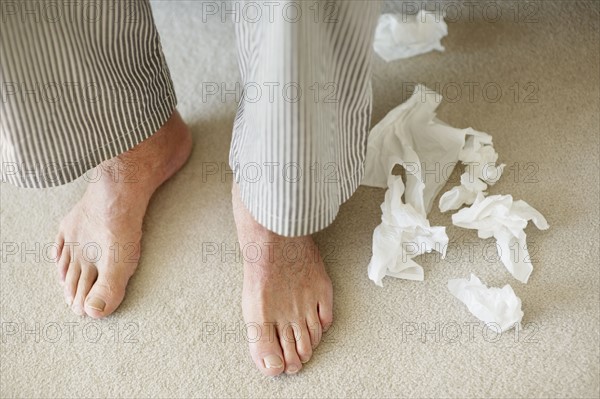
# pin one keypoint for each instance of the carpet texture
(534, 74)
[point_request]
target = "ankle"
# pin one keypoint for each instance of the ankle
(155, 159)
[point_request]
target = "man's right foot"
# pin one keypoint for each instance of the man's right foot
(287, 299)
(99, 240)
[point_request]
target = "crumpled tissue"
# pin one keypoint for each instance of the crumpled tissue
(500, 217)
(403, 234)
(400, 36)
(412, 137)
(479, 157)
(490, 305)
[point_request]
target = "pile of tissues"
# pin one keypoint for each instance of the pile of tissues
(428, 150)
(400, 36)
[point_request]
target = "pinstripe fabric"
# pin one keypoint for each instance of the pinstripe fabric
(87, 86)
(300, 134)
(81, 83)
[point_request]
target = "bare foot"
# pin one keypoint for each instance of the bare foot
(287, 299)
(99, 240)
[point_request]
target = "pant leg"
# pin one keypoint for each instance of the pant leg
(300, 135)
(81, 83)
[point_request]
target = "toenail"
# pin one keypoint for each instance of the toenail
(96, 304)
(304, 361)
(69, 301)
(293, 369)
(273, 362)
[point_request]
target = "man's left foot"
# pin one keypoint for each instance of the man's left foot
(287, 300)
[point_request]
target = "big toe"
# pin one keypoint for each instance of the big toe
(265, 349)
(106, 295)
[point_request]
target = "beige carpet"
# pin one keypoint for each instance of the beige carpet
(180, 327)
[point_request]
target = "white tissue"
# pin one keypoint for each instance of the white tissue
(412, 137)
(479, 157)
(400, 36)
(499, 217)
(490, 305)
(403, 234)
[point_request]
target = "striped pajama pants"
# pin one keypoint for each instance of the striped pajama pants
(85, 81)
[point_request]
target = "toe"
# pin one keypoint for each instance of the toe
(303, 343)
(106, 295)
(326, 313)
(63, 259)
(86, 280)
(289, 333)
(314, 328)
(60, 242)
(71, 281)
(265, 348)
